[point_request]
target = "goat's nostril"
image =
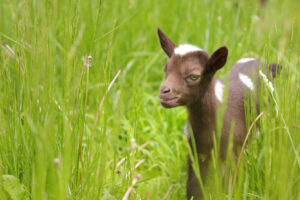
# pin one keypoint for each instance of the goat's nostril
(166, 90)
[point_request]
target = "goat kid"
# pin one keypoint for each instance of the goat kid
(191, 82)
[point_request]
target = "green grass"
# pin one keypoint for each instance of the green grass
(55, 144)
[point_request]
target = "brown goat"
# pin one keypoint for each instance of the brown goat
(191, 82)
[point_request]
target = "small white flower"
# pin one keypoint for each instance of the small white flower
(255, 17)
(56, 161)
(133, 143)
(87, 61)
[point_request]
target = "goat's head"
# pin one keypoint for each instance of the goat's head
(188, 72)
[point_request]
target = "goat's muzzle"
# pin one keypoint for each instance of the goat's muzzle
(168, 100)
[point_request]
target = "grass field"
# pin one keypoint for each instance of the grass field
(68, 132)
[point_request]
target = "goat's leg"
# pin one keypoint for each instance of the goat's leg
(193, 186)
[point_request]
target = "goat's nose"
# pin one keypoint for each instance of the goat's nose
(165, 90)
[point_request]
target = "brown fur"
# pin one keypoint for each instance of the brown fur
(179, 89)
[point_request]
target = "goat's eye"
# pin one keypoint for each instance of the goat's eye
(193, 77)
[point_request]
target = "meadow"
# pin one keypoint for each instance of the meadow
(80, 116)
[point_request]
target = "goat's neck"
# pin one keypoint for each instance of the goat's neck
(202, 116)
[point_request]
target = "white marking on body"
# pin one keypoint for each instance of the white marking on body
(219, 87)
(186, 48)
(244, 60)
(246, 80)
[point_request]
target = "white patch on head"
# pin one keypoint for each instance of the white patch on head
(244, 60)
(219, 87)
(186, 48)
(246, 80)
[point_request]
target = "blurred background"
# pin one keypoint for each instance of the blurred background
(79, 112)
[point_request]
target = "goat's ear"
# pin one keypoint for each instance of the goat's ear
(218, 59)
(166, 44)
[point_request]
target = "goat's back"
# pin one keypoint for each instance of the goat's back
(243, 82)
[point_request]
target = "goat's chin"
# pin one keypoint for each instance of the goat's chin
(169, 104)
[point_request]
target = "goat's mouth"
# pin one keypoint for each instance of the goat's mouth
(169, 102)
